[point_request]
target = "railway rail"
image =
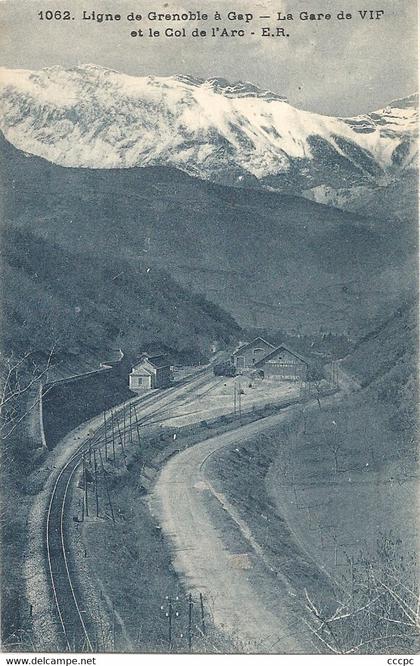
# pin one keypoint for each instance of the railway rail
(77, 627)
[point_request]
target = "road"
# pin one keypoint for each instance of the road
(200, 552)
(180, 501)
(72, 618)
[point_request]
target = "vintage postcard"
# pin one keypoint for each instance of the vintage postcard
(209, 327)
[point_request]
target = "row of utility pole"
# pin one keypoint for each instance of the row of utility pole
(113, 431)
(117, 432)
(195, 624)
(118, 428)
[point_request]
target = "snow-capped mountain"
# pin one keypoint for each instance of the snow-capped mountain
(93, 117)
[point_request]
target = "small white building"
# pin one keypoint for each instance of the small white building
(149, 373)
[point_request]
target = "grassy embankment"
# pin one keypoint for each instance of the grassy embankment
(336, 487)
(131, 561)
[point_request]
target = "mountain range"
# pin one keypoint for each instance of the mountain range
(269, 259)
(193, 189)
(232, 134)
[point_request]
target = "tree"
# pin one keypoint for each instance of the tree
(380, 610)
(18, 375)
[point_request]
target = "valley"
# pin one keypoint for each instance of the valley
(174, 494)
(272, 498)
(304, 265)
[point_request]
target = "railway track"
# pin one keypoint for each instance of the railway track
(77, 627)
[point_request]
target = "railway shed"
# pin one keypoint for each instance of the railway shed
(249, 353)
(283, 363)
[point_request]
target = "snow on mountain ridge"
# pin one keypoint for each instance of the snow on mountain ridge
(93, 117)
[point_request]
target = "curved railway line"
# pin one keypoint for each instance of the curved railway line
(77, 627)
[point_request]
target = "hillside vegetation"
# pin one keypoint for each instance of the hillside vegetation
(385, 362)
(270, 260)
(57, 299)
(333, 498)
(81, 305)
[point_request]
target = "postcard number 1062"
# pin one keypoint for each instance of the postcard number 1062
(57, 15)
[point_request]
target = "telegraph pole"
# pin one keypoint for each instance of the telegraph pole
(106, 487)
(170, 623)
(120, 435)
(131, 424)
(105, 435)
(137, 424)
(86, 488)
(203, 624)
(113, 435)
(190, 608)
(124, 426)
(119, 429)
(96, 483)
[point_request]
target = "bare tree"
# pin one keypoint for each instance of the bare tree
(380, 611)
(18, 375)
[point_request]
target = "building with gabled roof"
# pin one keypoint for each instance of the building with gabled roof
(283, 363)
(250, 353)
(151, 372)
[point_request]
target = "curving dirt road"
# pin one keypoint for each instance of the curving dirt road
(199, 523)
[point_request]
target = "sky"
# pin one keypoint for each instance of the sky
(332, 67)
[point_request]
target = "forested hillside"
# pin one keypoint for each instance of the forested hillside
(385, 362)
(270, 260)
(54, 299)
